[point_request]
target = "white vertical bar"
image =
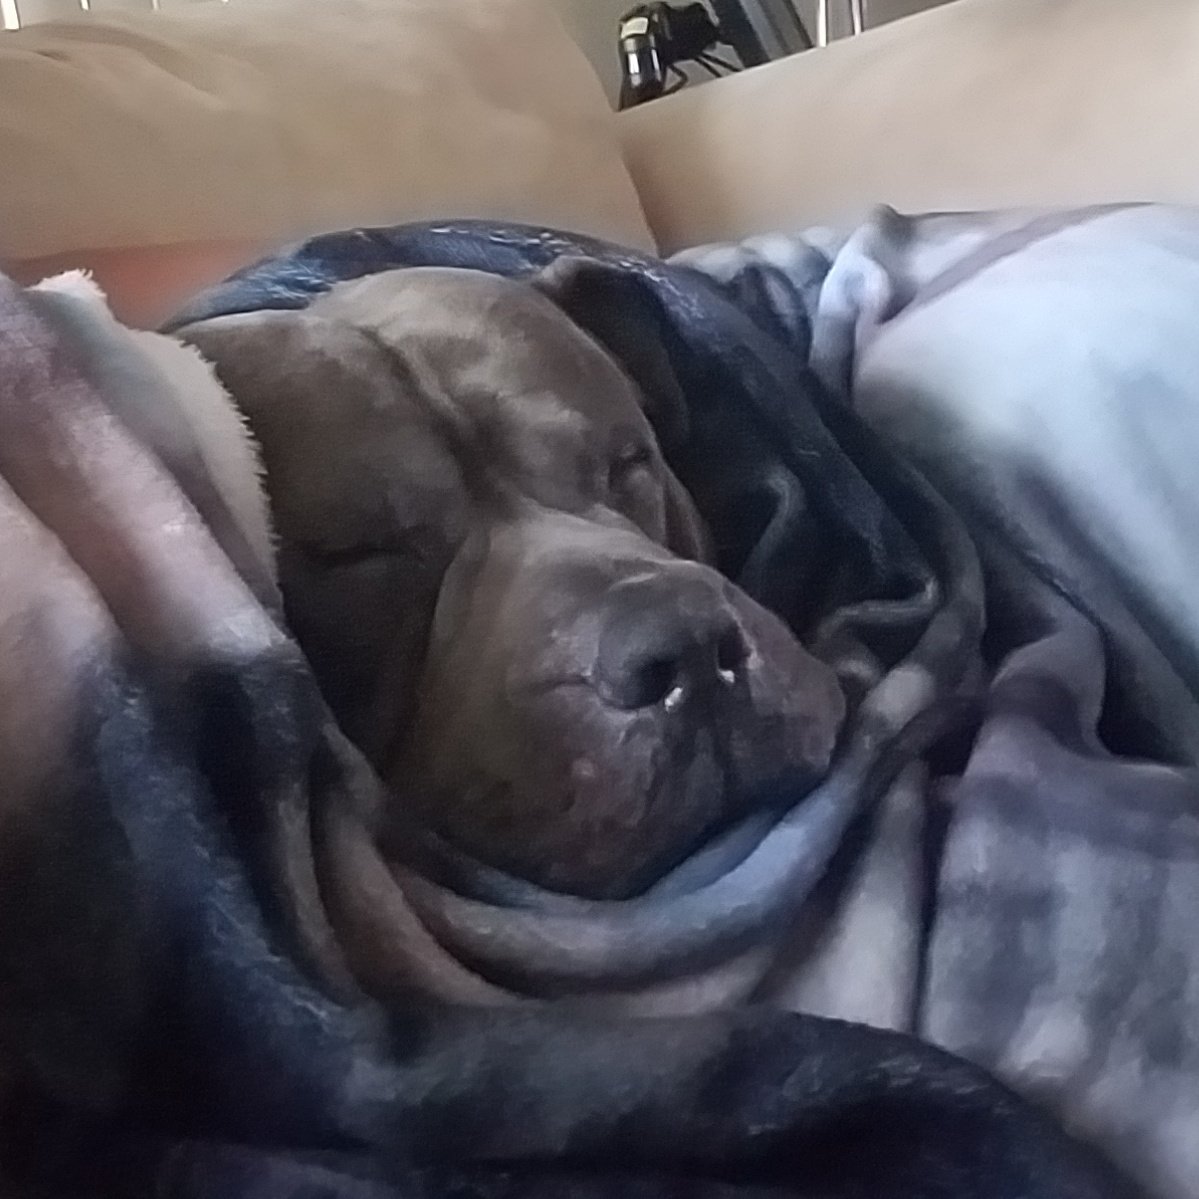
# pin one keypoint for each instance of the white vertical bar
(855, 15)
(822, 23)
(9, 17)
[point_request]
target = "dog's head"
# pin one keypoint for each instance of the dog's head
(499, 581)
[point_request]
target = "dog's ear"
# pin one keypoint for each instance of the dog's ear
(623, 315)
(618, 309)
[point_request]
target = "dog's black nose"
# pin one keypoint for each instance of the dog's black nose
(665, 639)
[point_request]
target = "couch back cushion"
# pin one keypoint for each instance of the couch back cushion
(130, 140)
(976, 104)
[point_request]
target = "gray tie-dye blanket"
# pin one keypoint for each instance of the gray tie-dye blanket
(1012, 875)
(999, 860)
(1042, 370)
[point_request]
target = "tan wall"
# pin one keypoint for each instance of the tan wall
(33, 11)
(593, 23)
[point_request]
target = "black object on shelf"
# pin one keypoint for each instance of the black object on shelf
(656, 38)
(762, 30)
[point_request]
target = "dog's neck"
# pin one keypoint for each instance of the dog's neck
(175, 396)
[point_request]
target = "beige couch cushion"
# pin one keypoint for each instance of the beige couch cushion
(979, 104)
(263, 119)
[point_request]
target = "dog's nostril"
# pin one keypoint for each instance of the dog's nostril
(730, 655)
(668, 678)
(654, 682)
(667, 640)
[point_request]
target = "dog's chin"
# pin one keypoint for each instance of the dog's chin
(610, 857)
(635, 869)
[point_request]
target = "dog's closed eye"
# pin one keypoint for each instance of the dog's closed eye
(413, 546)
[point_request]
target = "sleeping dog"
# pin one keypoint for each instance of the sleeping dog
(500, 583)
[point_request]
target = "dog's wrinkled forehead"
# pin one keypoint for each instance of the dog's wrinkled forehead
(470, 335)
(402, 397)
